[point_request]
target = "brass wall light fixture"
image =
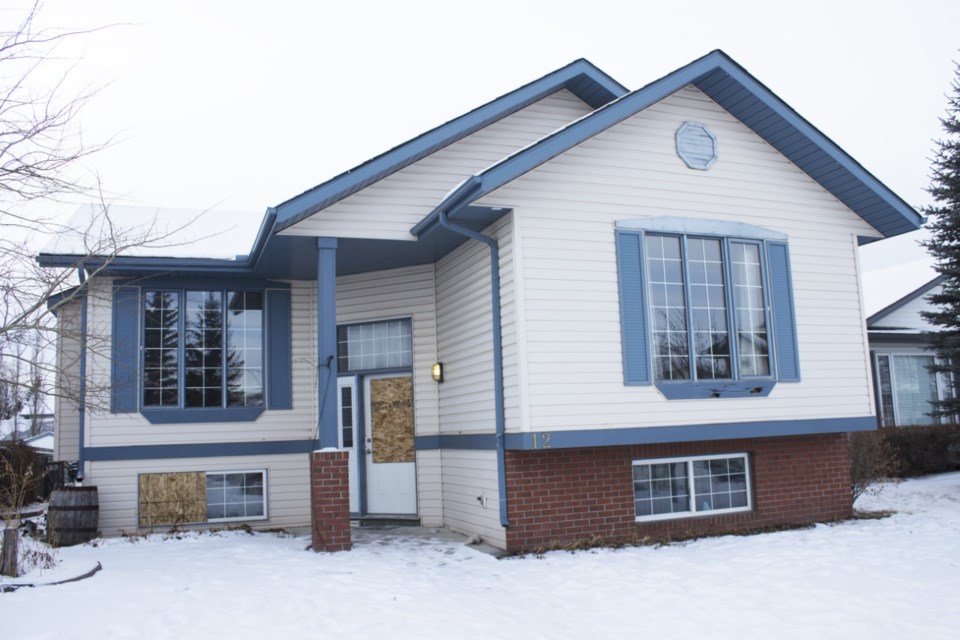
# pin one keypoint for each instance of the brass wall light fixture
(437, 372)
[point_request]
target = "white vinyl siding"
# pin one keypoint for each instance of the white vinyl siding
(389, 208)
(465, 334)
(908, 316)
(288, 495)
(405, 293)
(471, 502)
(566, 210)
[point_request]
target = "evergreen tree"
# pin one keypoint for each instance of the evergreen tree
(944, 246)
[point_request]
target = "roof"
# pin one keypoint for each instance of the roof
(716, 74)
(147, 232)
(905, 300)
(580, 77)
(744, 97)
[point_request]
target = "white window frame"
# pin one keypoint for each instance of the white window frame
(694, 512)
(944, 387)
(266, 513)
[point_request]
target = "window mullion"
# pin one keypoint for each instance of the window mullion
(688, 310)
(691, 492)
(181, 348)
(224, 301)
(733, 330)
(767, 291)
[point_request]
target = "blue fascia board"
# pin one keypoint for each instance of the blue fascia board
(770, 118)
(571, 439)
(902, 302)
(692, 433)
(201, 416)
(581, 77)
(471, 441)
(198, 450)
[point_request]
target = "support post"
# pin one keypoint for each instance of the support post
(327, 435)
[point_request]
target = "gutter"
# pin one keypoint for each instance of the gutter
(497, 337)
(82, 387)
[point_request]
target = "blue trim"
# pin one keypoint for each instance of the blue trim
(327, 426)
(125, 350)
(633, 309)
(201, 450)
(714, 389)
(471, 441)
(784, 320)
(279, 356)
(201, 415)
(204, 282)
(580, 77)
(745, 98)
(690, 433)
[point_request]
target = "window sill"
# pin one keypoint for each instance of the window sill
(182, 416)
(682, 515)
(712, 389)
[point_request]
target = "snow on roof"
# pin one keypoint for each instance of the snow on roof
(883, 287)
(42, 442)
(156, 232)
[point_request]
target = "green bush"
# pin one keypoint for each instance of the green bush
(920, 451)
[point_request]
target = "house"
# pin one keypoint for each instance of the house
(900, 354)
(575, 312)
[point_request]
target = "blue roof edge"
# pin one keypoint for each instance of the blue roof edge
(581, 77)
(900, 216)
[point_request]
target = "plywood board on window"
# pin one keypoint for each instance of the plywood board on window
(391, 408)
(168, 499)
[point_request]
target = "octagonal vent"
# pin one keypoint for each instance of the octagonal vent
(696, 146)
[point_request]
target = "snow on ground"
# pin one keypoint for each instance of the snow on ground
(897, 577)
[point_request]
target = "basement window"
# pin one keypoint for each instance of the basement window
(684, 487)
(196, 497)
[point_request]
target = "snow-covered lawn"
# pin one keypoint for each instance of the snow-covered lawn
(897, 577)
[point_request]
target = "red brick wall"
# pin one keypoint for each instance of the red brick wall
(330, 500)
(562, 496)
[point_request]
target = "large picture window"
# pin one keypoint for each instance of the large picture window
(684, 487)
(694, 304)
(706, 307)
(203, 349)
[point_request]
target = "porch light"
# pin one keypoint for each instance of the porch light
(437, 372)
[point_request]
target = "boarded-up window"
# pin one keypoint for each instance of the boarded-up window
(391, 408)
(172, 498)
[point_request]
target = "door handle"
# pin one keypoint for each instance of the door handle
(369, 451)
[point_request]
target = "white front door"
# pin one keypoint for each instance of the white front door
(391, 472)
(347, 412)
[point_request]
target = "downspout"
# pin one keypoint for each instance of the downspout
(497, 355)
(82, 386)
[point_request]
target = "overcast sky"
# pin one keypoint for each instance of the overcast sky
(242, 105)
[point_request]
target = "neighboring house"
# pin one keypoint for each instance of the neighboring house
(575, 312)
(905, 387)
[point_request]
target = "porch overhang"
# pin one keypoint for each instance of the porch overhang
(282, 257)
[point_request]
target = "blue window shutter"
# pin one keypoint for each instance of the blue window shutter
(126, 342)
(633, 309)
(784, 320)
(279, 351)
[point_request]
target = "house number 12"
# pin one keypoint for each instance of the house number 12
(541, 440)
